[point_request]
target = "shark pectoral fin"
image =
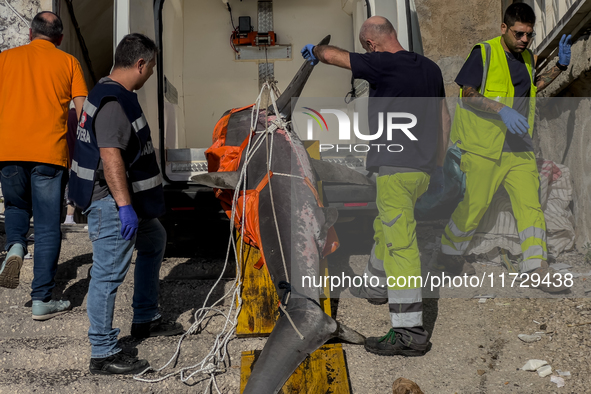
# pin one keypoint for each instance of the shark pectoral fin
(220, 180)
(347, 334)
(330, 218)
(331, 172)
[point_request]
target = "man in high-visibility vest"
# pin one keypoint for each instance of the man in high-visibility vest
(493, 127)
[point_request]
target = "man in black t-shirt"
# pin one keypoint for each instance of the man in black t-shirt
(397, 80)
(115, 178)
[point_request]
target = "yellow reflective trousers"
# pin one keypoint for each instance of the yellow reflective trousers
(518, 173)
(396, 244)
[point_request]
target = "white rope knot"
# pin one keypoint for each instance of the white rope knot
(209, 369)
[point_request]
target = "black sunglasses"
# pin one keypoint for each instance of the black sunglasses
(519, 34)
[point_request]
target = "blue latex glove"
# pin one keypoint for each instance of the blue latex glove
(308, 54)
(129, 222)
(436, 183)
(564, 50)
(515, 122)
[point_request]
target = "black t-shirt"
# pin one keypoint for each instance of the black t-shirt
(113, 130)
(471, 75)
(405, 77)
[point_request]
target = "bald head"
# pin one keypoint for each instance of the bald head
(376, 28)
(47, 25)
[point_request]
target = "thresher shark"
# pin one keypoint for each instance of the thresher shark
(294, 230)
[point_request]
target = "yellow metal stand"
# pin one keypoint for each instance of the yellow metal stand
(260, 302)
(325, 370)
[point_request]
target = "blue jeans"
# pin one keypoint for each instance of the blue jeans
(35, 189)
(111, 259)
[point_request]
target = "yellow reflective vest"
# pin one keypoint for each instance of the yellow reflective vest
(480, 132)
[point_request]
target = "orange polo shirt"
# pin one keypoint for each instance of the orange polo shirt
(37, 82)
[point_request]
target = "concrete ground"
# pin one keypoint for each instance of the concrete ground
(475, 345)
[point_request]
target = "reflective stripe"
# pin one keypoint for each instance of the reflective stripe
(89, 108)
(382, 283)
(456, 231)
(406, 296)
(83, 173)
(147, 184)
(391, 223)
(406, 308)
(535, 250)
(446, 249)
(532, 232)
(375, 272)
(482, 114)
(376, 264)
(462, 246)
(381, 290)
(375, 268)
(139, 123)
(533, 65)
(406, 320)
(459, 246)
(488, 52)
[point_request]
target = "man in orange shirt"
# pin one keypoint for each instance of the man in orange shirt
(37, 83)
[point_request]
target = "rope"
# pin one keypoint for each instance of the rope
(289, 175)
(17, 14)
(291, 321)
(210, 364)
(269, 160)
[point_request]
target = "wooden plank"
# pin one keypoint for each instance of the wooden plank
(259, 299)
(324, 371)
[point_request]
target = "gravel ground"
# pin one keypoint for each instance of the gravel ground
(475, 345)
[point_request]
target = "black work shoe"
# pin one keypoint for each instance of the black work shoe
(121, 363)
(391, 345)
(361, 292)
(156, 328)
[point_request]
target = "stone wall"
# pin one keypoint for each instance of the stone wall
(450, 29)
(13, 30)
(565, 136)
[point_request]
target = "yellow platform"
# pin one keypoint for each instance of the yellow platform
(324, 371)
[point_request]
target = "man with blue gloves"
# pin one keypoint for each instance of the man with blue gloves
(116, 180)
(397, 79)
(493, 127)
